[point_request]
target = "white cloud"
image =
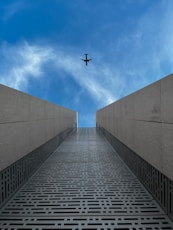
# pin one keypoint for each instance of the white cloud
(105, 79)
(22, 62)
(90, 77)
(25, 61)
(128, 62)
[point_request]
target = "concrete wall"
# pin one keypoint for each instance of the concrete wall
(27, 122)
(143, 121)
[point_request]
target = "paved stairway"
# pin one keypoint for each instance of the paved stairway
(83, 185)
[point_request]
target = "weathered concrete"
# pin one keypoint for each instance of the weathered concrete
(27, 122)
(143, 121)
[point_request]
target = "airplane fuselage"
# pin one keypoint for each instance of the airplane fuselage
(86, 60)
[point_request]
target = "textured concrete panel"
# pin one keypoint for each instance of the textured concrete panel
(14, 105)
(27, 122)
(117, 127)
(127, 132)
(37, 133)
(167, 149)
(13, 144)
(147, 103)
(127, 107)
(167, 99)
(148, 142)
(37, 109)
(143, 122)
(117, 109)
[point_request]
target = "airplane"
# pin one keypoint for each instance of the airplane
(86, 60)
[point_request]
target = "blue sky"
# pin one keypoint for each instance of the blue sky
(42, 43)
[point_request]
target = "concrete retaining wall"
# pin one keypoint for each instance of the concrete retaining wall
(143, 121)
(27, 122)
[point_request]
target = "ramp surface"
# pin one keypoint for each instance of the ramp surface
(83, 185)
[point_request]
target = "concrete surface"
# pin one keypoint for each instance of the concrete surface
(144, 122)
(27, 122)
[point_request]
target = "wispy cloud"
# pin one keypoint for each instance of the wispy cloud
(21, 62)
(11, 9)
(145, 53)
(25, 61)
(148, 57)
(91, 78)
